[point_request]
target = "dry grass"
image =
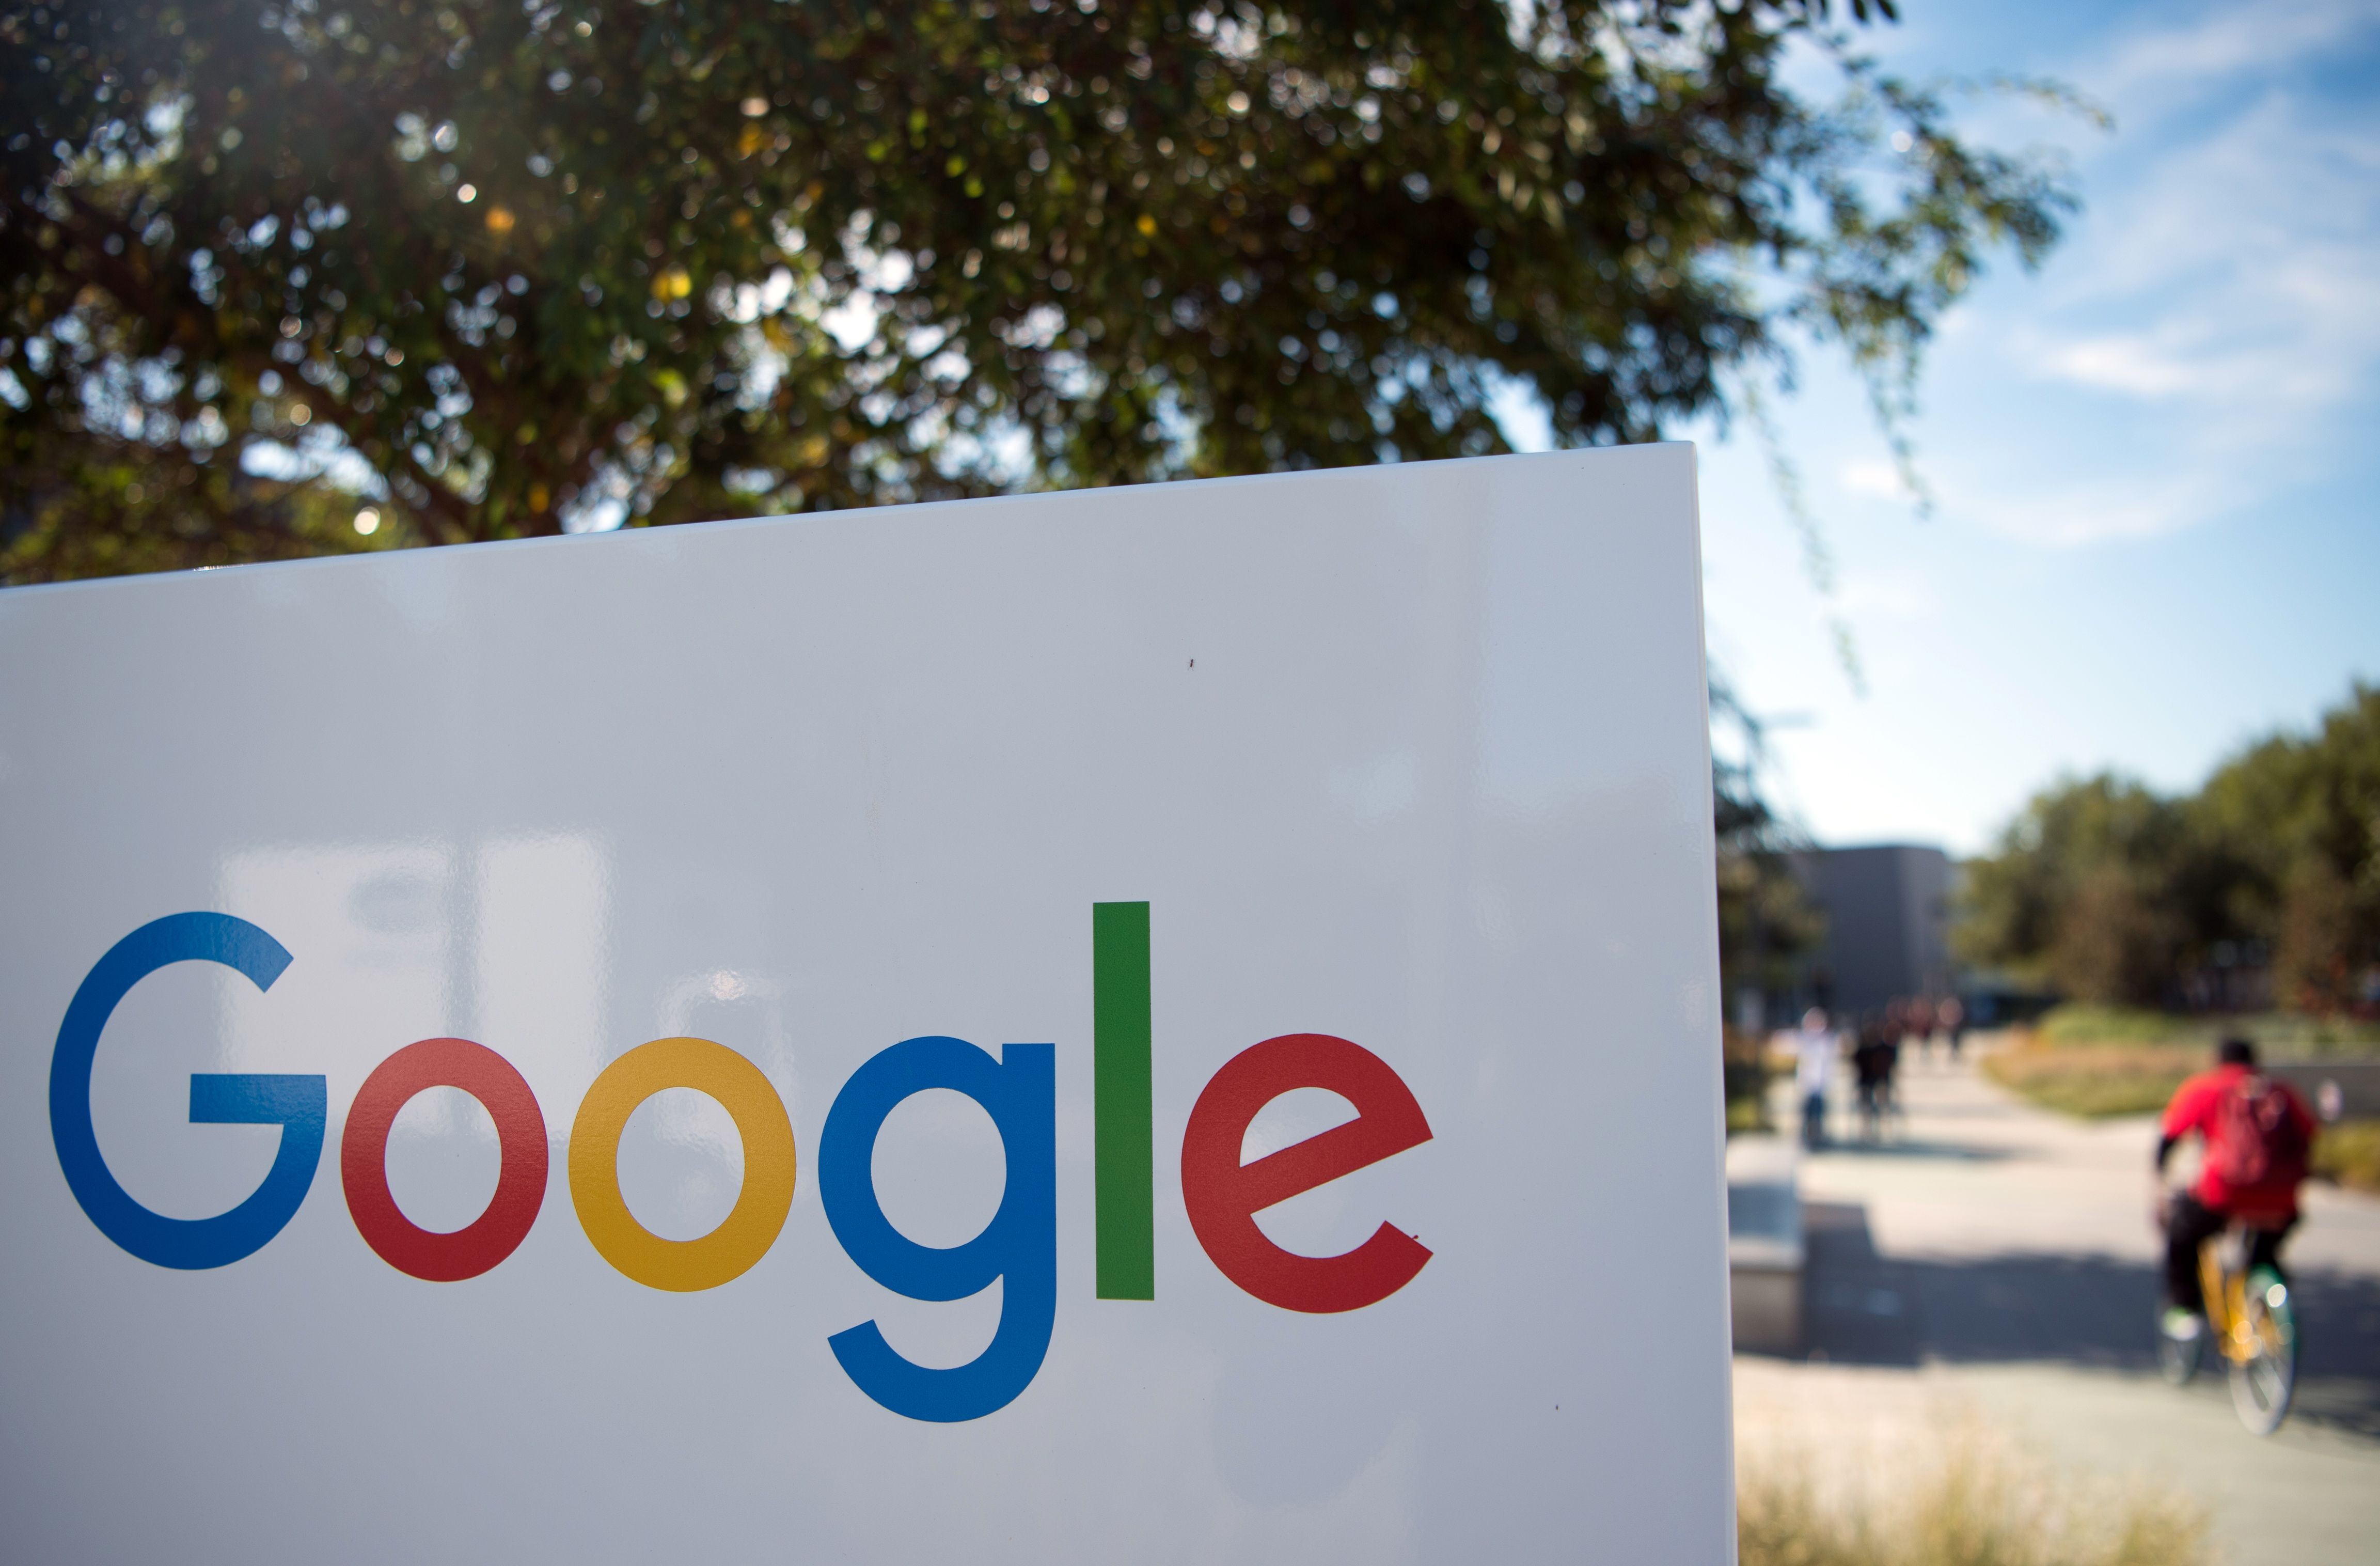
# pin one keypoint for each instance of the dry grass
(2102, 1079)
(2349, 1152)
(1976, 1502)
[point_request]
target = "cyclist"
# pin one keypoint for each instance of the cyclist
(2257, 1134)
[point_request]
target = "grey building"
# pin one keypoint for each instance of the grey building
(1889, 915)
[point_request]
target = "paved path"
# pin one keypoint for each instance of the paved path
(1997, 1259)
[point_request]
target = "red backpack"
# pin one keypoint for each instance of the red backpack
(2257, 1139)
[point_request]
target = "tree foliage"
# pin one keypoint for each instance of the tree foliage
(2083, 891)
(2117, 893)
(2296, 821)
(1765, 918)
(503, 268)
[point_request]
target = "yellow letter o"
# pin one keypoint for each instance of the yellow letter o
(749, 1229)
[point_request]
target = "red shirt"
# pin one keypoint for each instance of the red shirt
(2197, 1106)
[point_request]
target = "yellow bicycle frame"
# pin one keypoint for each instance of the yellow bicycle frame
(2226, 1292)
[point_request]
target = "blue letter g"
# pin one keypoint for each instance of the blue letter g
(297, 1104)
(1019, 1247)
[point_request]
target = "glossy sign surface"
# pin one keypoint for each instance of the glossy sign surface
(857, 1039)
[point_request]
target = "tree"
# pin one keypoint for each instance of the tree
(2119, 894)
(1766, 918)
(2087, 888)
(2315, 949)
(2111, 941)
(2298, 817)
(499, 269)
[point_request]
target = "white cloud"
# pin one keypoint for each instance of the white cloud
(2227, 275)
(2229, 40)
(2120, 506)
(2133, 363)
(2256, 253)
(1878, 480)
(1901, 595)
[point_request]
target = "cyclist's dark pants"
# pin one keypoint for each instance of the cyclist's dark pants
(2192, 1224)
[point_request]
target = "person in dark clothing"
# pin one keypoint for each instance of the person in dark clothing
(1887, 1087)
(1871, 1068)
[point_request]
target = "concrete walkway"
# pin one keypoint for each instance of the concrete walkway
(1996, 1260)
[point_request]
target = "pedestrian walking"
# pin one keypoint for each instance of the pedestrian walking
(1814, 1048)
(1887, 1087)
(1919, 1034)
(1868, 1058)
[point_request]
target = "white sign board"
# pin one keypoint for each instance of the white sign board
(1151, 1025)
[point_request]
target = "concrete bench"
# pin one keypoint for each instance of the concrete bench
(1764, 1247)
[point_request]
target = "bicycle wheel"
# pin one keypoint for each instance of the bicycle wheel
(2264, 1377)
(2177, 1357)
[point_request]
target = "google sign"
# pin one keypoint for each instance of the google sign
(1016, 1088)
(936, 1033)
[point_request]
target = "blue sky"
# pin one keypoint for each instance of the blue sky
(2155, 459)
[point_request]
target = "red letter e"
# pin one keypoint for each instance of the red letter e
(1224, 1195)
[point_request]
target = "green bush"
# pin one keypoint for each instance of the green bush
(1744, 1069)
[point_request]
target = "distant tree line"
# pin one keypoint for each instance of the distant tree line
(2110, 892)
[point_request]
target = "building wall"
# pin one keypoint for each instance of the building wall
(1887, 909)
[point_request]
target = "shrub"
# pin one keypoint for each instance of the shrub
(1744, 1072)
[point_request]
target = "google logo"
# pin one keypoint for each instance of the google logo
(1017, 1088)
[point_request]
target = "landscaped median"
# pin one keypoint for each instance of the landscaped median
(2093, 1079)
(2349, 1152)
(2098, 1061)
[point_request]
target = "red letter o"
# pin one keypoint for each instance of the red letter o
(520, 1178)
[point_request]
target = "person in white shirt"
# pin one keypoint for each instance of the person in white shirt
(1952, 1017)
(1816, 1050)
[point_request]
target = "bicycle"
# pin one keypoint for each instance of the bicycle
(2251, 1319)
